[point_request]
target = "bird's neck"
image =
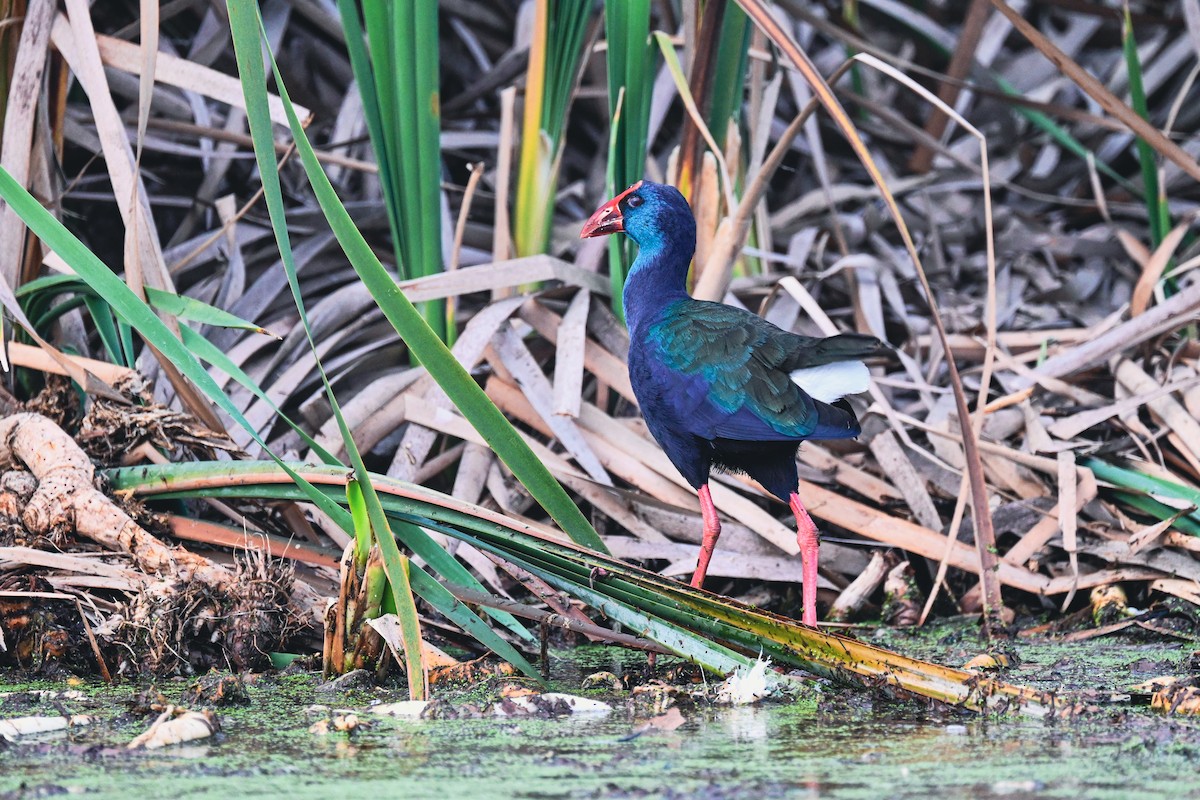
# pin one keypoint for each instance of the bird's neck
(657, 279)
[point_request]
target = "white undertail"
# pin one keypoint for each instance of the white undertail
(831, 382)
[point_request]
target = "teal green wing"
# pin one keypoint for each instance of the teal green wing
(732, 368)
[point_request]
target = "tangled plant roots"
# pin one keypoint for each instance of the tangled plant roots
(262, 617)
(192, 614)
(176, 627)
(111, 430)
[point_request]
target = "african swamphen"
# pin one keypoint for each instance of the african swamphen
(719, 386)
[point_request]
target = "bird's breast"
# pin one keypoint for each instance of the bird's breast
(666, 396)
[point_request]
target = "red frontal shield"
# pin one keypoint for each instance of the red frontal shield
(607, 218)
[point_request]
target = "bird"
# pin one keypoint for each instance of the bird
(718, 386)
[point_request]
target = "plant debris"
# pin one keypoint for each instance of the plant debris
(216, 689)
(24, 726)
(176, 726)
(1057, 246)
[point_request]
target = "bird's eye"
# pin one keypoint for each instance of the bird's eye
(634, 201)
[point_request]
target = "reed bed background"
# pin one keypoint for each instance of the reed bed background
(1004, 192)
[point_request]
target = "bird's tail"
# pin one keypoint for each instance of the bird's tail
(830, 369)
(811, 351)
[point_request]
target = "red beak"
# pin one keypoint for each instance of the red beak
(607, 218)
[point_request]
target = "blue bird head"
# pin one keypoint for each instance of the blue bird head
(654, 215)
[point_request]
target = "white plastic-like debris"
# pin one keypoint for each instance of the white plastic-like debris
(44, 695)
(169, 729)
(533, 703)
(747, 684)
(388, 627)
(579, 705)
(407, 709)
(24, 726)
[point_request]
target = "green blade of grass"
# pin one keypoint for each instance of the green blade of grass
(1148, 487)
(221, 479)
(106, 328)
(1156, 207)
(408, 323)
(47, 283)
(420, 121)
(138, 314)
(191, 309)
(631, 65)
(719, 631)
(1181, 520)
(567, 31)
(398, 79)
(42, 321)
(1140, 481)
(178, 306)
(403, 604)
(364, 76)
(125, 332)
(733, 53)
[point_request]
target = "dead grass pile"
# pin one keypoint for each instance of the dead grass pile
(1075, 335)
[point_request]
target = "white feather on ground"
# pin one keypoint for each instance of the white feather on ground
(831, 382)
(748, 684)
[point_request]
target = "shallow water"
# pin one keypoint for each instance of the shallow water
(844, 746)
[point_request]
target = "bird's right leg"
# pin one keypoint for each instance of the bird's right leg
(712, 530)
(809, 541)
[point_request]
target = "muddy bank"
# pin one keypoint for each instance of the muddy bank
(830, 743)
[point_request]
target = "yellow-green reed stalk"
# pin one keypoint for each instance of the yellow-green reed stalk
(362, 524)
(555, 53)
(720, 95)
(1145, 491)
(717, 84)
(370, 606)
(729, 78)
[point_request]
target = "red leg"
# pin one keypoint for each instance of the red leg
(806, 537)
(712, 530)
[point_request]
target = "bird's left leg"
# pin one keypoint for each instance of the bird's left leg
(712, 530)
(808, 539)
